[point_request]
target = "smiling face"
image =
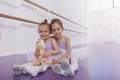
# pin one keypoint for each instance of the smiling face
(56, 27)
(56, 30)
(44, 31)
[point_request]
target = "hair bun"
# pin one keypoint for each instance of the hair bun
(45, 21)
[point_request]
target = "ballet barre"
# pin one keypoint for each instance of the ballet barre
(30, 21)
(39, 6)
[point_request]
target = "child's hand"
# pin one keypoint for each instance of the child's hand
(55, 61)
(37, 54)
(46, 54)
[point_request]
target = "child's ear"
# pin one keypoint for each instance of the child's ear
(62, 30)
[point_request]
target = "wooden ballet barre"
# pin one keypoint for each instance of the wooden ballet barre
(30, 21)
(31, 2)
(75, 31)
(17, 18)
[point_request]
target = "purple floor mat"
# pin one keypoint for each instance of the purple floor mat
(101, 64)
(6, 72)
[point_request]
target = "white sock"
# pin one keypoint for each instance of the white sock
(17, 69)
(43, 68)
(65, 64)
(56, 68)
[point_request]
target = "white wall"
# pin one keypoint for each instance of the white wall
(116, 24)
(18, 37)
(71, 9)
(101, 26)
(103, 21)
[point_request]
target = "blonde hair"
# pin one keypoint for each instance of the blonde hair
(45, 23)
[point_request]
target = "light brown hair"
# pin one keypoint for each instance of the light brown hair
(58, 21)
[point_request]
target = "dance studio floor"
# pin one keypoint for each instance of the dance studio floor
(102, 63)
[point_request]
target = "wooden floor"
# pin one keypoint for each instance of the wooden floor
(103, 63)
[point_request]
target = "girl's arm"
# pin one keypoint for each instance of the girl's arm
(68, 51)
(55, 46)
(36, 50)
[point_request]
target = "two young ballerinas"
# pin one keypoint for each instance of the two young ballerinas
(58, 48)
(44, 42)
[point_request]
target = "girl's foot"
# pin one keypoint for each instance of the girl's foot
(17, 69)
(71, 73)
(65, 64)
(29, 70)
(24, 70)
(56, 68)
